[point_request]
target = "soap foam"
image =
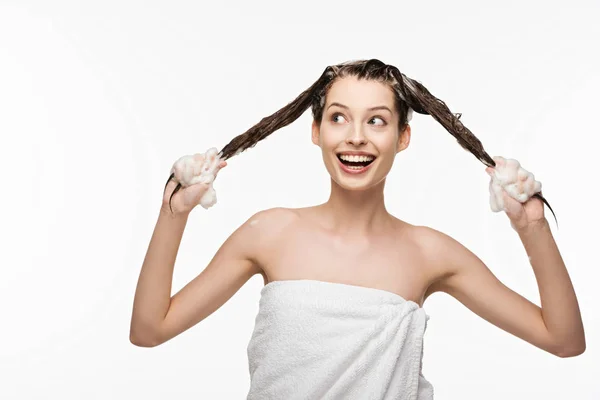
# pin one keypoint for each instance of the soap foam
(199, 168)
(508, 175)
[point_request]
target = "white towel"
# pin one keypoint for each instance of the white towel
(321, 340)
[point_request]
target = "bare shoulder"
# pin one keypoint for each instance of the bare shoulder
(261, 231)
(441, 253)
(274, 217)
(433, 242)
(266, 225)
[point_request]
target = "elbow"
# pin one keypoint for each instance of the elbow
(571, 350)
(143, 337)
(141, 341)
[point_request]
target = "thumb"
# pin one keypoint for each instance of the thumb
(222, 165)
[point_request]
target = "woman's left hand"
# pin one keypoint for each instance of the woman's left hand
(509, 175)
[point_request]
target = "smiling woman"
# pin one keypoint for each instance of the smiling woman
(341, 314)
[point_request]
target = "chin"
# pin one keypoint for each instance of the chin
(357, 187)
(357, 184)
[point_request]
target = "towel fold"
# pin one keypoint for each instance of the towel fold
(323, 340)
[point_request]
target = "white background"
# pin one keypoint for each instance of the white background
(98, 99)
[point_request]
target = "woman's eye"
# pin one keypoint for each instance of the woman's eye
(334, 117)
(383, 122)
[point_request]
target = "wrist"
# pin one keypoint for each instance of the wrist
(165, 211)
(533, 227)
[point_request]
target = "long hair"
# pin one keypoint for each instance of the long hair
(408, 93)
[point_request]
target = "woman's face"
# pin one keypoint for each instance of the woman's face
(359, 116)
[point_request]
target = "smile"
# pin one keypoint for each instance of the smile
(355, 164)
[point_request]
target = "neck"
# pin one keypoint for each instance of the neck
(360, 212)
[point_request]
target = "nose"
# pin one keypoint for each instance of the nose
(356, 137)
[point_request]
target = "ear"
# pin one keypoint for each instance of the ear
(316, 132)
(404, 139)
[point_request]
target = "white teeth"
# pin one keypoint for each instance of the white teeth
(346, 157)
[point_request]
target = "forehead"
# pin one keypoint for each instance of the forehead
(360, 93)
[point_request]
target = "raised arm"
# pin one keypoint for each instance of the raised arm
(157, 317)
(555, 327)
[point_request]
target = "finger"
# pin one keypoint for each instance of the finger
(523, 175)
(199, 157)
(511, 205)
(497, 193)
(177, 188)
(171, 178)
(529, 186)
(512, 164)
(499, 161)
(188, 169)
(219, 168)
(493, 198)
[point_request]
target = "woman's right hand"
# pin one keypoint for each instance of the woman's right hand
(195, 173)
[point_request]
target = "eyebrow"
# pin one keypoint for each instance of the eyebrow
(370, 109)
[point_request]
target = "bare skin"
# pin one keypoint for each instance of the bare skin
(392, 259)
(352, 239)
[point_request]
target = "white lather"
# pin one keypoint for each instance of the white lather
(518, 183)
(199, 168)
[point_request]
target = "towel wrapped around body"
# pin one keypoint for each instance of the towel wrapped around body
(323, 340)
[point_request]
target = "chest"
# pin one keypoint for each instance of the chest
(382, 262)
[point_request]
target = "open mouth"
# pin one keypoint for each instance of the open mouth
(355, 162)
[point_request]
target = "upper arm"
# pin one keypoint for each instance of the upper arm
(234, 263)
(470, 281)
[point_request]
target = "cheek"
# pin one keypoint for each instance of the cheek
(386, 144)
(330, 139)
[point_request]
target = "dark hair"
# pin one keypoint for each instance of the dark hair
(407, 93)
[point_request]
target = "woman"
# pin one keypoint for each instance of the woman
(341, 313)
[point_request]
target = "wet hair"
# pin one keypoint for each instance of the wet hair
(408, 93)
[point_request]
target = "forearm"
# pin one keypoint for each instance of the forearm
(153, 292)
(560, 309)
